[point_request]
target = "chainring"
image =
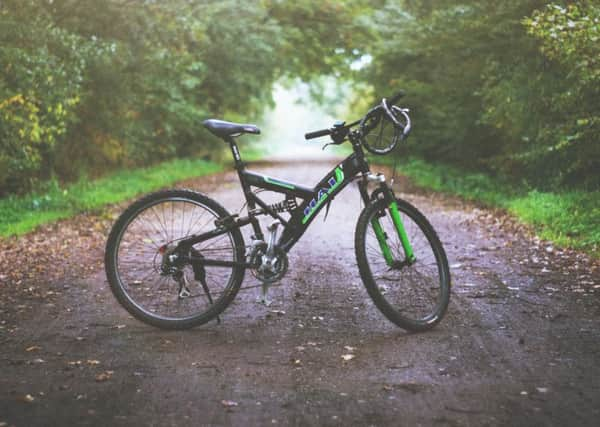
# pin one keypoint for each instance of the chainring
(281, 265)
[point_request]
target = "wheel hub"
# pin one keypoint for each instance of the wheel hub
(170, 262)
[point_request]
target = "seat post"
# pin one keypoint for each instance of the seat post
(239, 164)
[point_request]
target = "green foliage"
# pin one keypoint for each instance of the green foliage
(88, 85)
(471, 186)
(506, 87)
(570, 37)
(20, 214)
(39, 94)
(568, 218)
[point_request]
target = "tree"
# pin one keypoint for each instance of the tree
(92, 85)
(485, 91)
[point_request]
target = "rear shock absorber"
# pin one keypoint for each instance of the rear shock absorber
(287, 205)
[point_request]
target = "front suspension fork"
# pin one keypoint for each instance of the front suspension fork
(408, 251)
(388, 195)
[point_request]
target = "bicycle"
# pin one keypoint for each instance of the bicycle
(176, 259)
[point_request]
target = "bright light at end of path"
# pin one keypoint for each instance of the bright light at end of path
(282, 134)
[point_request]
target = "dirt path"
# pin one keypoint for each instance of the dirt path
(520, 344)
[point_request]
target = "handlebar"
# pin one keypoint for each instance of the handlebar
(317, 134)
(385, 102)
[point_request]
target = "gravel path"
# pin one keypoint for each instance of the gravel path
(520, 344)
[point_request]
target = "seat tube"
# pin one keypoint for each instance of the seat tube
(240, 166)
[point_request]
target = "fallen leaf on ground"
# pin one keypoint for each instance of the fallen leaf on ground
(93, 362)
(33, 348)
(104, 376)
(27, 398)
(228, 403)
(347, 347)
(347, 357)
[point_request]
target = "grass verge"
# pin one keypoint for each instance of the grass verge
(567, 218)
(20, 214)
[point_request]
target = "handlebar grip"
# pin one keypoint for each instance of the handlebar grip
(396, 97)
(317, 134)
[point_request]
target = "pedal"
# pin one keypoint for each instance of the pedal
(271, 263)
(184, 290)
(263, 300)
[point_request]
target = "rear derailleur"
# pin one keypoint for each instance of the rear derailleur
(173, 263)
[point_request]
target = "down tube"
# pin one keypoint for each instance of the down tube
(325, 191)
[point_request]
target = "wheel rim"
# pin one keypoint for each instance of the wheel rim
(137, 259)
(414, 291)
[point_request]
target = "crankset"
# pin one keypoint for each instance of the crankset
(265, 269)
(268, 268)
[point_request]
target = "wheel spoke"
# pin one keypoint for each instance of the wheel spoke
(153, 293)
(416, 293)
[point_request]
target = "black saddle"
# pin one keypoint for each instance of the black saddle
(223, 129)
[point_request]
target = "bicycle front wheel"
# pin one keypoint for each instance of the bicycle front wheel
(409, 284)
(175, 297)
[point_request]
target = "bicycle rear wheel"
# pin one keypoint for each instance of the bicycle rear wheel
(172, 298)
(413, 294)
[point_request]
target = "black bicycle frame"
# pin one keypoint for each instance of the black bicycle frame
(313, 200)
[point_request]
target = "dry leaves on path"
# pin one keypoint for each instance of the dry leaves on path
(26, 398)
(104, 376)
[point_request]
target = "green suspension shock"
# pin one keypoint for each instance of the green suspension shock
(408, 251)
(381, 238)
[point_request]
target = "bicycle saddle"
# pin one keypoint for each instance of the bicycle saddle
(223, 129)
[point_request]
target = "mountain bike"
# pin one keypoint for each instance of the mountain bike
(176, 259)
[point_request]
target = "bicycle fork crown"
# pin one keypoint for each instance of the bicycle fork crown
(375, 177)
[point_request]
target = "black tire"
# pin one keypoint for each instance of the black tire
(416, 296)
(133, 260)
